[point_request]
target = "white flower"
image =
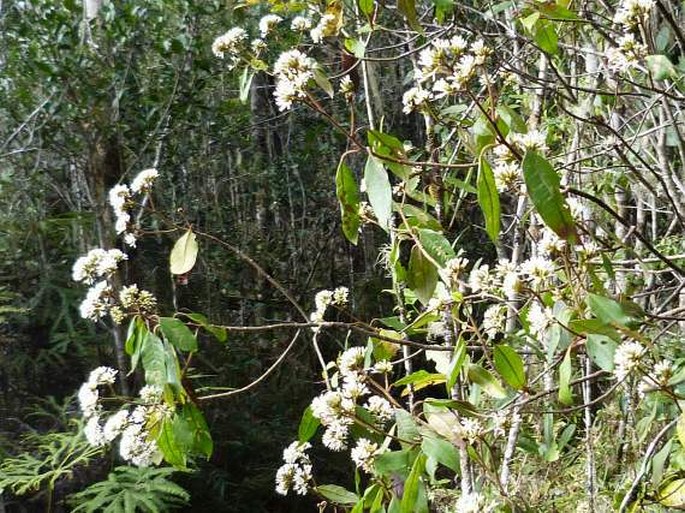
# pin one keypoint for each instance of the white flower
(229, 43)
(88, 397)
(480, 51)
(258, 45)
(539, 319)
(94, 433)
(296, 473)
(364, 454)
(632, 12)
(414, 99)
(296, 452)
(135, 447)
(346, 85)
(538, 269)
(481, 279)
(303, 475)
(293, 64)
(133, 298)
(267, 23)
(550, 243)
(352, 360)
(300, 24)
(383, 367)
(119, 196)
(121, 223)
(627, 55)
(469, 429)
(97, 263)
(500, 420)
(115, 425)
(508, 176)
(353, 386)
(144, 180)
(340, 296)
(102, 375)
(627, 358)
(511, 284)
(335, 437)
(150, 394)
(328, 26)
(97, 302)
(380, 408)
(331, 407)
(532, 140)
(437, 330)
(493, 320)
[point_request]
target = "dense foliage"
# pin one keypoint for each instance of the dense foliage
(449, 234)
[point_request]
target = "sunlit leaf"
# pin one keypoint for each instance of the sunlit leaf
(178, 334)
(488, 198)
(379, 190)
(510, 366)
(184, 254)
(348, 197)
(486, 381)
(337, 494)
(565, 371)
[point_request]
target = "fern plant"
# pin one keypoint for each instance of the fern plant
(132, 490)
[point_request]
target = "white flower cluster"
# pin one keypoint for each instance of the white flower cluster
(97, 263)
(494, 320)
(230, 45)
(296, 472)
(469, 429)
(267, 23)
(97, 302)
(627, 358)
(539, 319)
(446, 67)
(507, 280)
(121, 201)
(327, 27)
(135, 445)
(627, 55)
(132, 298)
(324, 299)
(633, 12)
(300, 24)
(658, 378)
(507, 169)
(364, 454)
(293, 70)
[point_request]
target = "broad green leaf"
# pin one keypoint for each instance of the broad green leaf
(594, 326)
(348, 197)
(338, 494)
(394, 462)
(408, 10)
(436, 245)
(217, 331)
(366, 6)
(356, 47)
(412, 500)
(442, 451)
(322, 81)
(379, 139)
(542, 183)
(166, 441)
(154, 360)
(680, 429)
(422, 276)
(488, 198)
(565, 371)
(308, 426)
(178, 334)
(420, 379)
(601, 351)
(608, 310)
(512, 118)
(660, 67)
(379, 190)
(530, 21)
(555, 10)
(673, 494)
(510, 366)
(486, 381)
(659, 462)
(195, 422)
(184, 254)
(407, 429)
(137, 331)
(546, 37)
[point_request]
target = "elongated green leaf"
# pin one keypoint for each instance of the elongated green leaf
(338, 494)
(510, 366)
(366, 6)
(608, 310)
(441, 451)
(546, 37)
(486, 381)
(219, 333)
(659, 462)
(379, 190)
(407, 429)
(421, 379)
(178, 334)
(394, 462)
(191, 431)
(166, 441)
(488, 198)
(542, 183)
(565, 371)
(422, 276)
(154, 360)
(348, 197)
(680, 429)
(184, 254)
(436, 245)
(601, 350)
(308, 425)
(673, 494)
(322, 81)
(408, 9)
(411, 499)
(245, 83)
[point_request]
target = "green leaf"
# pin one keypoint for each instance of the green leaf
(463, 407)
(488, 197)
(673, 494)
(379, 190)
(366, 7)
(546, 37)
(308, 425)
(660, 67)
(192, 433)
(486, 381)
(565, 370)
(244, 85)
(348, 197)
(441, 451)
(408, 9)
(680, 429)
(422, 276)
(407, 429)
(659, 462)
(356, 47)
(322, 81)
(178, 334)
(411, 502)
(436, 245)
(420, 379)
(217, 331)
(512, 118)
(601, 351)
(184, 254)
(166, 441)
(542, 183)
(394, 462)
(608, 310)
(154, 360)
(338, 494)
(510, 366)
(378, 139)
